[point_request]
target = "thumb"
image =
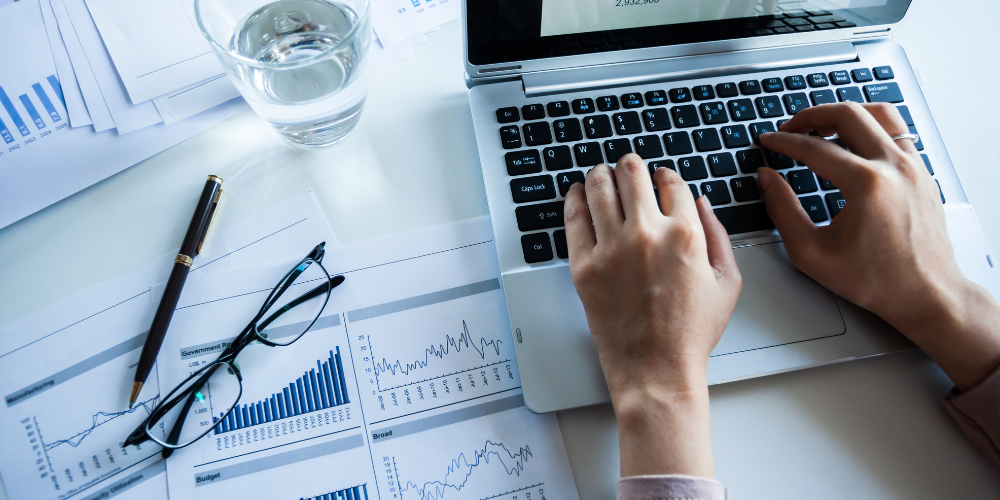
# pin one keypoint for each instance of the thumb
(796, 229)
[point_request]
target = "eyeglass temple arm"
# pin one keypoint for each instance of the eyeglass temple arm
(311, 294)
(175, 432)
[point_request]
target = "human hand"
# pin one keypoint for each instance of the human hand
(888, 249)
(658, 285)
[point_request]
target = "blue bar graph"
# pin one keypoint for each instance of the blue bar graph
(54, 82)
(359, 492)
(14, 115)
(32, 112)
(317, 389)
(5, 133)
(46, 102)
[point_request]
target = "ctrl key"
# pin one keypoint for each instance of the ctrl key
(536, 247)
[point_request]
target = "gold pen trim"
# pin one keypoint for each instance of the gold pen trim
(215, 178)
(136, 388)
(184, 259)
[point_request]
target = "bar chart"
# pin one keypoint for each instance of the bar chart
(359, 492)
(31, 113)
(318, 389)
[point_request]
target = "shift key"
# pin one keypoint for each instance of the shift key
(884, 92)
(540, 216)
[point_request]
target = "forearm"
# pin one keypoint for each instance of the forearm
(662, 432)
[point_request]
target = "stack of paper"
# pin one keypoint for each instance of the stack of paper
(398, 21)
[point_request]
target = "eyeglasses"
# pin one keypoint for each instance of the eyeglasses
(188, 413)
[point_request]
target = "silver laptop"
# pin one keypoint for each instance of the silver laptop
(558, 86)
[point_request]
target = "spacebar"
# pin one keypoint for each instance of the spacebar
(744, 218)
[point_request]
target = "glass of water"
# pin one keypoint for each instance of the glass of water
(302, 65)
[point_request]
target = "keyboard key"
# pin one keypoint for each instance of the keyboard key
(756, 129)
(802, 181)
(656, 98)
(523, 162)
(742, 110)
(769, 106)
(567, 179)
(884, 92)
(510, 137)
(703, 92)
(607, 103)
(940, 191)
(727, 90)
(557, 158)
(537, 133)
(794, 22)
(656, 119)
(692, 168)
(920, 142)
(694, 191)
(648, 146)
(778, 161)
(540, 216)
(744, 189)
(826, 26)
(653, 165)
(826, 185)
(680, 95)
(716, 192)
(749, 160)
(558, 108)
(616, 148)
(845, 24)
(562, 251)
(685, 116)
(706, 139)
(597, 126)
(678, 143)
(805, 28)
(861, 75)
(840, 77)
(567, 130)
(533, 111)
(927, 163)
(795, 102)
(735, 136)
(772, 85)
(713, 113)
(813, 206)
(795, 82)
(508, 115)
(583, 106)
(744, 218)
(722, 164)
(632, 100)
(905, 113)
(627, 123)
(836, 203)
(822, 97)
(536, 247)
(883, 73)
(750, 87)
(527, 189)
(817, 80)
(850, 94)
(588, 154)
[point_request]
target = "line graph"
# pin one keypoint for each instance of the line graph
(100, 418)
(461, 469)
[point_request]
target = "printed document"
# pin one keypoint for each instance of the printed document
(397, 20)
(75, 106)
(406, 387)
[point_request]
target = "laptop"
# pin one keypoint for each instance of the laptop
(558, 86)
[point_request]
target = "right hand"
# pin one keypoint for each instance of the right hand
(888, 250)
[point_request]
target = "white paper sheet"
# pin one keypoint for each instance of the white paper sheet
(156, 45)
(397, 20)
(68, 368)
(409, 383)
(128, 117)
(195, 99)
(72, 98)
(96, 107)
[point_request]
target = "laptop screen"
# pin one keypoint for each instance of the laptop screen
(516, 30)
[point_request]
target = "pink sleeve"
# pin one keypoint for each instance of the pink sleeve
(977, 412)
(671, 487)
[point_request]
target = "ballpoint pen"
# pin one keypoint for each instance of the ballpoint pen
(193, 240)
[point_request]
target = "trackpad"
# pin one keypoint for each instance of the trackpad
(779, 305)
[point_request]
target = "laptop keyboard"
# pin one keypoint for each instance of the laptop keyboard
(709, 134)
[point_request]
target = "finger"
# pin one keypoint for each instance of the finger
(857, 128)
(796, 229)
(827, 159)
(888, 117)
(635, 187)
(580, 237)
(675, 195)
(602, 197)
(720, 250)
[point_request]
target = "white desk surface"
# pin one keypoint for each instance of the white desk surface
(866, 429)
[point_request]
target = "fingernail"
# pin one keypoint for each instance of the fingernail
(764, 180)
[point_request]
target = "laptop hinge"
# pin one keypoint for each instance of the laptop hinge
(685, 67)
